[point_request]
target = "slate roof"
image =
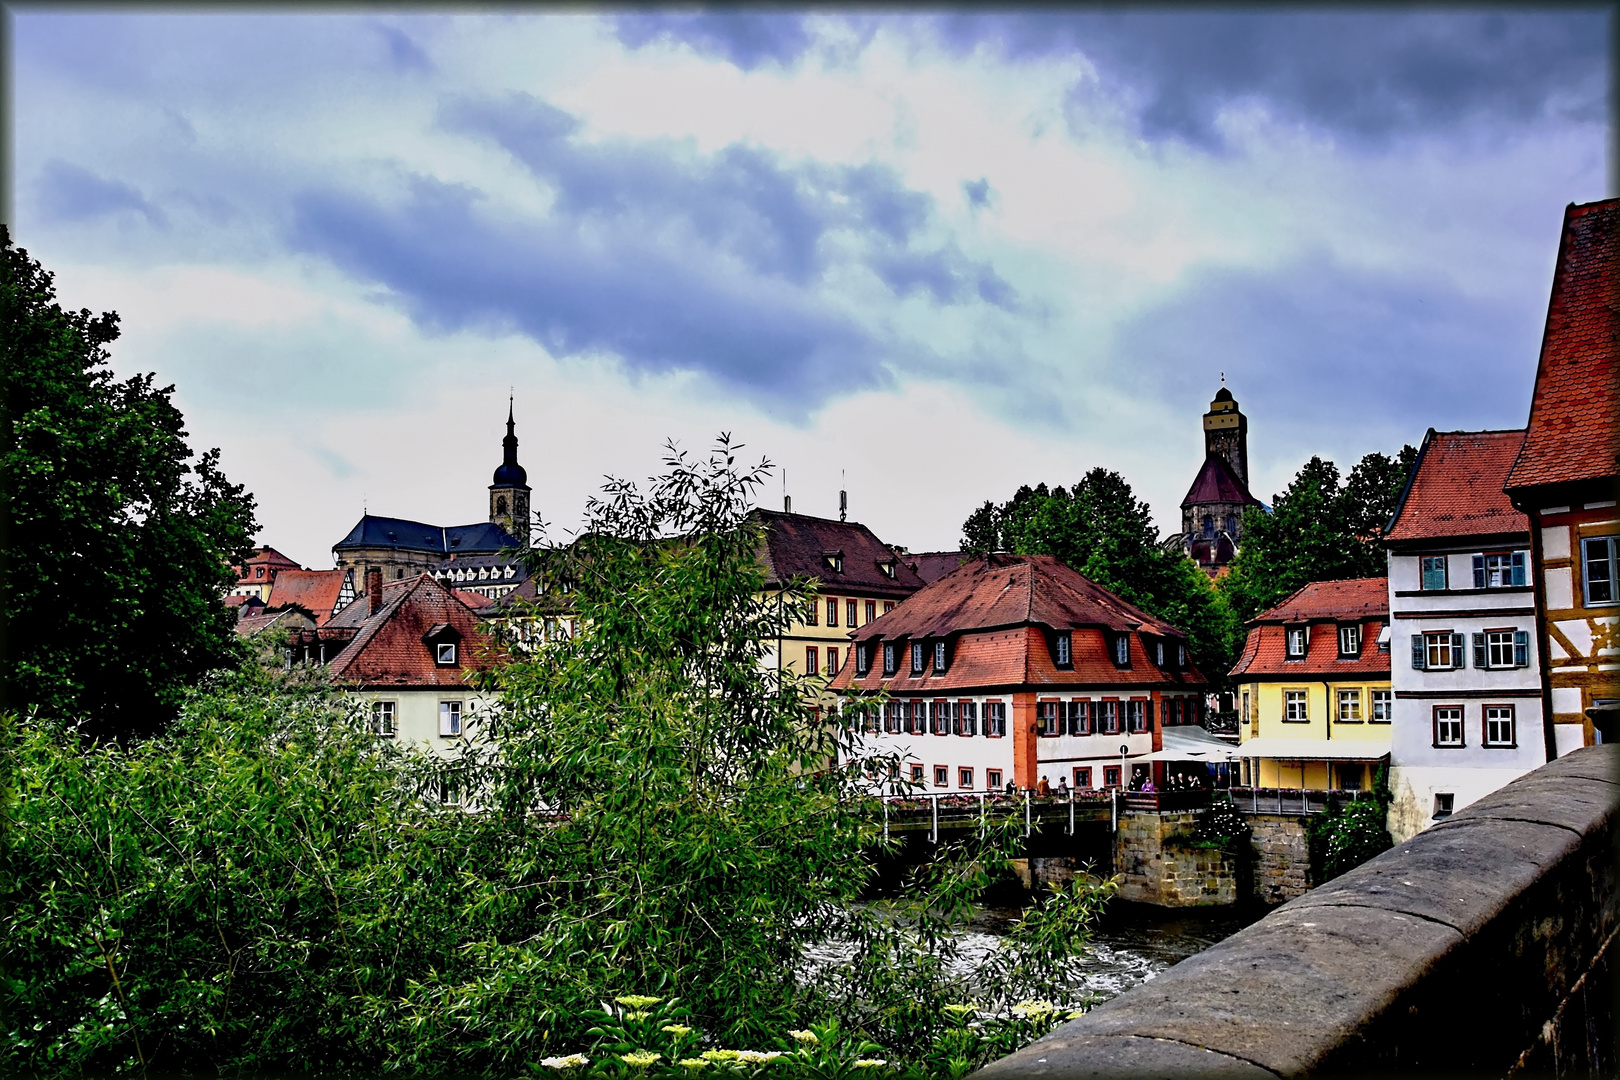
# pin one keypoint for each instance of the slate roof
(995, 591)
(1574, 429)
(388, 647)
(797, 545)
(316, 591)
(481, 537)
(1217, 483)
(1456, 487)
(933, 565)
(1348, 600)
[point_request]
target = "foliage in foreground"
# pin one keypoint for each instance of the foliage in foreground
(265, 888)
(1349, 834)
(117, 544)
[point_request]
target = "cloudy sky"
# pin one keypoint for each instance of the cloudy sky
(927, 256)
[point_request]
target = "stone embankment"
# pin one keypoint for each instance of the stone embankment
(1481, 945)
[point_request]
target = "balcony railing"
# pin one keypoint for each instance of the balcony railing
(1291, 800)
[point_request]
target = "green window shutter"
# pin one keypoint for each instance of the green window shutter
(1521, 648)
(1479, 571)
(1417, 651)
(1479, 651)
(1458, 643)
(1518, 568)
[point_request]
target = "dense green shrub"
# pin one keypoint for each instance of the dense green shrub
(1350, 833)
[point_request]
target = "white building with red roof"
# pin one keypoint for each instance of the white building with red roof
(1016, 669)
(1467, 681)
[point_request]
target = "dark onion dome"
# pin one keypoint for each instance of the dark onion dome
(510, 474)
(1223, 394)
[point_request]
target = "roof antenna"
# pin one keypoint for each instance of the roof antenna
(843, 497)
(1223, 378)
(787, 500)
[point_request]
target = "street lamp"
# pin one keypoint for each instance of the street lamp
(1124, 748)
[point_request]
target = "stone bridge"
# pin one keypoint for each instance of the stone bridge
(1480, 946)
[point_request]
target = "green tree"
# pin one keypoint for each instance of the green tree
(117, 547)
(1103, 531)
(1319, 529)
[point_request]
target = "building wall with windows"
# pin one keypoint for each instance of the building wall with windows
(1467, 680)
(1016, 669)
(1313, 688)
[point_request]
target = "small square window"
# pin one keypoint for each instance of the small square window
(1110, 776)
(942, 776)
(1443, 803)
(888, 606)
(916, 774)
(1448, 725)
(1082, 779)
(992, 779)
(964, 778)
(445, 652)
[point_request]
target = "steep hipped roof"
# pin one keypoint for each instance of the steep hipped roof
(1456, 487)
(479, 537)
(1217, 483)
(1011, 590)
(316, 591)
(799, 545)
(389, 647)
(267, 557)
(1350, 600)
(1265, 652)
(933, 565)
(1574, 429)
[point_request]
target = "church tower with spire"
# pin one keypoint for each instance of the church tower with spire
(1212, 513)
(509, 494)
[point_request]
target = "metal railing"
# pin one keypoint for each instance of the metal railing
(968, 809)
(1255, 800)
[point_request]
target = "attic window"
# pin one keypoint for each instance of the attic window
(445, 652)
(939, 657)
(1064, 649)
(835, 560)
(887, 566)
(1122, 650)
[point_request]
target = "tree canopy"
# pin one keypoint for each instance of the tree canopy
(1319, 529)
(118, 540)
(1101, 529)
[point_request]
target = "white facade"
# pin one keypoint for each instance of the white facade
(1465, 675)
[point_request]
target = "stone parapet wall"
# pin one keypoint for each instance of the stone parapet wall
(1479, 946)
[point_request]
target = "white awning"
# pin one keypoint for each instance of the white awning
(1193, 744)
(1314, 749)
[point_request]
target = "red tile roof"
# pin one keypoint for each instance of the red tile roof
(1265, 653)
(933, 565)
(997, 610)
(1456, 487)
(1574, 430)
(389, 647)
(1011, 590)
(798, 545)
(316, 591)
(267, 557)
(1217, 483)
(1349, 600)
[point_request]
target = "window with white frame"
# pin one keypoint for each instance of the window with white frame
(995, 718)
(919, 717)
(942, 776)
(888, 606)
(871, 608)
(1065, 654)
(939, 657)
(863, 659)
(1383, 707)
(450, 719)
(1122, 650)
(832, 661)
(1181, 655)
(811, 663)
(1079, 718)
(1082, 778)
(992, 779)
(1598, 570)
(1297, 637)
(916, 774)
(1502, 649)
(1110, 776)
(917, 657)
(1439, 650)
(832, 611)
(1499, 726)
(1448, 725)
(444, 652)
(891, 717)
(967, 718)
(382, 718)
(1434, 573)
(851, 619)
(1158, 653)
(964, 778)
(1350, 706)
(1499, 570)
(891, 663)
(449, 790)
(1350, 641)
(1110, 717)
(810, 616)
(1136, 716)
(1295, 706)
(942, 717)
(1047, 716)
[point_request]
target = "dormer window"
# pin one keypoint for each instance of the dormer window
(1158, 653)
(1350, 641)
(863, 659)
(1298, 637)
(1181, 655)
(1064, 649)
(890, 662)
(939, 657)
(917, 658)
(1122, 650)
(835, 561)
(442, 639)
(445, 652)
(887, 567)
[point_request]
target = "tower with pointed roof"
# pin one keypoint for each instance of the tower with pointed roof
(509, 494)
(1212, 512)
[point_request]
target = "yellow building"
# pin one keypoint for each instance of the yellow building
(1313, 689)
(859, 578)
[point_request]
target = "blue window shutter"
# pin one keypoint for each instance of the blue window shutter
(1479, 651)
(1518, 568)
(1458, 643)
(1417, 651)
(1479, 571)
(1521, 648)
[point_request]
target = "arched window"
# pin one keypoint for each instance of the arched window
(1209, 527)
(500, 505)
(1231, 524)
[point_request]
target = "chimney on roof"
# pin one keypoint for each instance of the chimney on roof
(374, 587)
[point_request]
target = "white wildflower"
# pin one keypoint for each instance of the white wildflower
(570, 1061)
